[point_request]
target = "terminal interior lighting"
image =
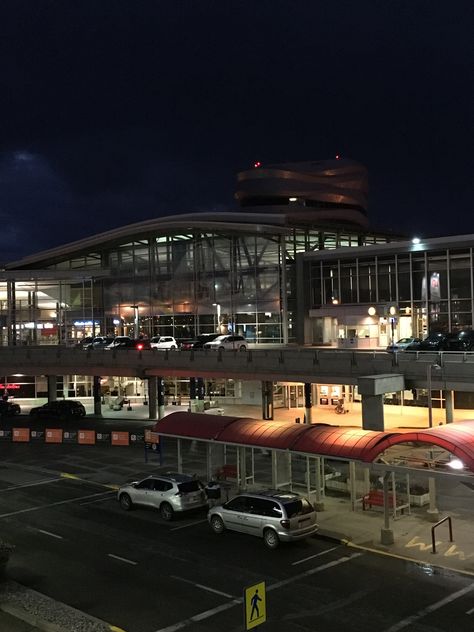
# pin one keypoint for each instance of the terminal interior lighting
(372, 311)
(456, 464)
(415, 240)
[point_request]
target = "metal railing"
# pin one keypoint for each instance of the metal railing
(433, 541)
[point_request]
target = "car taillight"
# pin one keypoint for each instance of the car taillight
(285, 524)
(139, 347)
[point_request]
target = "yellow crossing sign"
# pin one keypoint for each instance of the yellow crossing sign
(255, 605)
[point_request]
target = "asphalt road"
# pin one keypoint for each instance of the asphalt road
(75, 544)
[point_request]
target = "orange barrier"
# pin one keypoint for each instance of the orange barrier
(86, 437)
(151, 437)
(53, 435)
(21, 435)
(120, 438)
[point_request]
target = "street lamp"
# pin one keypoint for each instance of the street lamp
(428, 385)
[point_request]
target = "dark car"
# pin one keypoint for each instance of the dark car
(60, 408)
(198, 342)
(9, 409)
(125, 342)
(99, 342)
(464, 341)
(437, 341)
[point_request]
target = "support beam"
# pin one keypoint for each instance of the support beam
(52, 388)
(386, 535)
(449, 404)
(432, 512)
(308, 402)
(372, 412)
(267, 400)
(161, 397)
(97, 395)
(153, 397)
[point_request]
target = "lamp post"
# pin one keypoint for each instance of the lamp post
(218, 316)
(428, 386)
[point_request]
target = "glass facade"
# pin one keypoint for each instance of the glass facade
(433, 287)
(180, 283)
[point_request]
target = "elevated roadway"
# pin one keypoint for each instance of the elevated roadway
(445, 370)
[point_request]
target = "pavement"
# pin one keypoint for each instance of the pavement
(412, 533)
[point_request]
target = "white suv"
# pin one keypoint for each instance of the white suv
(163, 342)
(228, 342)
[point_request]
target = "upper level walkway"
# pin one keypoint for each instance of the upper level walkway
(445, 370)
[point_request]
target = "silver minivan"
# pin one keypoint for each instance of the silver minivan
(275, 516)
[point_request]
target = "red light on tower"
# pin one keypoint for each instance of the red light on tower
(337, 156)
(257, 164)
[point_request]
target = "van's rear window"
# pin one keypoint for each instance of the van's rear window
(298, 507)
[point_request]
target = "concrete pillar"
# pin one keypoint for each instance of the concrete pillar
(192, 394)
(267, 400)
(201, 394)
(153, 397)
(65, 386)
(352, 484)
(318, 504)
(96, 395)
(432, 512)
(52, 388)
(449, 404)
(160, 390)
(308, 402)
(372, 412)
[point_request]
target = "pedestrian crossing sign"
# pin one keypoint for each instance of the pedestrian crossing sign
(255, 605)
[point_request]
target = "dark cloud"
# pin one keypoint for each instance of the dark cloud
(135, 109)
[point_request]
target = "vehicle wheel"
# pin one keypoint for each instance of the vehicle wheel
(166, 511)
(125, 502)
(217, 525)
(271, 539)
(173, 347)
(242, 348)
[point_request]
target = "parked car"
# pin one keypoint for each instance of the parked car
(227, 342)
(125, 342)
(402, 344)
(163, 342)
(275, 516)
(198, 342)
(61, 408)
(464, 341)
(170, 494)
(437, 341)
(99, 342)
(9, 409)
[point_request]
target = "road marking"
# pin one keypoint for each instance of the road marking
(305, 559)
(56, 504)
(470, 611)
(122, 559)
(98, 500)
(67, 475)
(53, 535)
(212, 590)
(429, 609)
(44, 481)
(191, 524)
(210, 613)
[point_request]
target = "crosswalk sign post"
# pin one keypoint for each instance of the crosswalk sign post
(255, 605)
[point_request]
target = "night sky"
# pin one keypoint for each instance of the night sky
(117, 111)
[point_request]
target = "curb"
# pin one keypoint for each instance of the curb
(31, 619)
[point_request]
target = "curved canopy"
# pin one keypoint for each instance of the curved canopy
(321, 439)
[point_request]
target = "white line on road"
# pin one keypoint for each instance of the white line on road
(429, 609)
(470, 611)
(98, 500)
(212, 590)
(191, 524)
(44, 481)
(311, 557)
(56, 504)
(122, 559)
(53, 535)
(210, 613)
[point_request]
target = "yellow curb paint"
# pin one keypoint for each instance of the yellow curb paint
(115, 628)
(66, 475)
(405, 558)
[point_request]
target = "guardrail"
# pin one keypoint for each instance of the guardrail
(433, 541)
(287, 364)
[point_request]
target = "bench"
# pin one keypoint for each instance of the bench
(228, 470)
(375, 498)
